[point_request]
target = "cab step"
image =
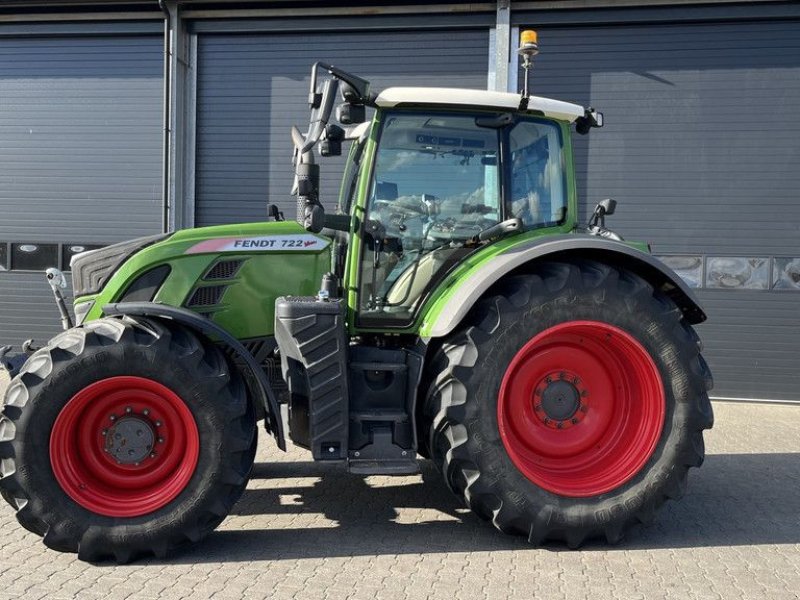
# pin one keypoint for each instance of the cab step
(370, 466)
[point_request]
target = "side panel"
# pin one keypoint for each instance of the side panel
(230, 274)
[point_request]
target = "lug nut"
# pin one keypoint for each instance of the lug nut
(152, 455)
(104, 432)
(146, 412)
(128, 409)
(113, 417)
(158, 423)
(160, 440)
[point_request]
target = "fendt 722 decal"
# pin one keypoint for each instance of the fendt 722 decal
(266, 243)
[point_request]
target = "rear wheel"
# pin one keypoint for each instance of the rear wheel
(570, 405)
(124, 438)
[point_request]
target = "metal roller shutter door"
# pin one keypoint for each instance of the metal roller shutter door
(80, 155)
(252, 88)
(701, 150)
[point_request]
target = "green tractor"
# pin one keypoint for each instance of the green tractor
(452, 309)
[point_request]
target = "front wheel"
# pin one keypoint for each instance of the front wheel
(571, 404)
(124, 438)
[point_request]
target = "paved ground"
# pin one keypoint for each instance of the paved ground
(303, 530)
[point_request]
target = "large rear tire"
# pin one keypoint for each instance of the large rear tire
(125, 438)
(570, 405)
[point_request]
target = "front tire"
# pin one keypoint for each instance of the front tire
(570, 405)
(125, 438)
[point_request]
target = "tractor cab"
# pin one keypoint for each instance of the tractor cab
(437, 175)
(444, 183)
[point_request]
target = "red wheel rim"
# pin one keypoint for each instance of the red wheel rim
(124, 446)
(581, 408)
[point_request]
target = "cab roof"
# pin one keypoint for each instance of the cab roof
(555, 109)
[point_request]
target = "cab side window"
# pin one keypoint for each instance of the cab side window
(538, 182)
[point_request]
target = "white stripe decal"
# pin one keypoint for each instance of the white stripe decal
(267, 243)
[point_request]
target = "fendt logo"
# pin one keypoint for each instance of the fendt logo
(272, 243)
(269, 243)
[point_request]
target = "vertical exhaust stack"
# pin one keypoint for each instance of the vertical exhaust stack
(528, 48)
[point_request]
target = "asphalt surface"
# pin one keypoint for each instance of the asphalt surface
(309, 530)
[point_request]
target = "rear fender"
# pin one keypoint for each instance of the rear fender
(258, 380)
(460, 298)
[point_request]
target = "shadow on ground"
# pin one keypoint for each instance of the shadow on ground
(735, 499)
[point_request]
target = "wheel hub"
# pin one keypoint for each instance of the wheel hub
(130, 440)
(560, 400)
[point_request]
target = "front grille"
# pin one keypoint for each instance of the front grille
(207, 296)
(224, 269)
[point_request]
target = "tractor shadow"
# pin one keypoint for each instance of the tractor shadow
(734, 500)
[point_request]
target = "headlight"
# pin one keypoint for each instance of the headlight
(91, 270)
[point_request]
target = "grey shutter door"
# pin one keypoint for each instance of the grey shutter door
(80, 155)
(701, 150)
(252, 88)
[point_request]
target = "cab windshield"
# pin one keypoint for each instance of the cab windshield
(437, 183)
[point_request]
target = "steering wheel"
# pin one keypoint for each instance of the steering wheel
(404, 207)
(457, 230)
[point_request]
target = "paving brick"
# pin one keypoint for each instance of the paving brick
(309, 531)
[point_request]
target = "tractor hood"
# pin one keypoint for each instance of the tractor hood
(230, 274)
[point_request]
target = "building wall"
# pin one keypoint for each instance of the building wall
(80, 166)
(699, 146)
(700, 152)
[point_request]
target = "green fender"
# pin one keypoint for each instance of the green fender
(450, 306)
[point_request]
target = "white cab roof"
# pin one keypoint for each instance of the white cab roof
(556, 109)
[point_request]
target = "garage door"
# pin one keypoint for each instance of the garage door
(253, 87)
(701, 150)
(80, 160)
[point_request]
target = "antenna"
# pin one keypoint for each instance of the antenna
(528, 48)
